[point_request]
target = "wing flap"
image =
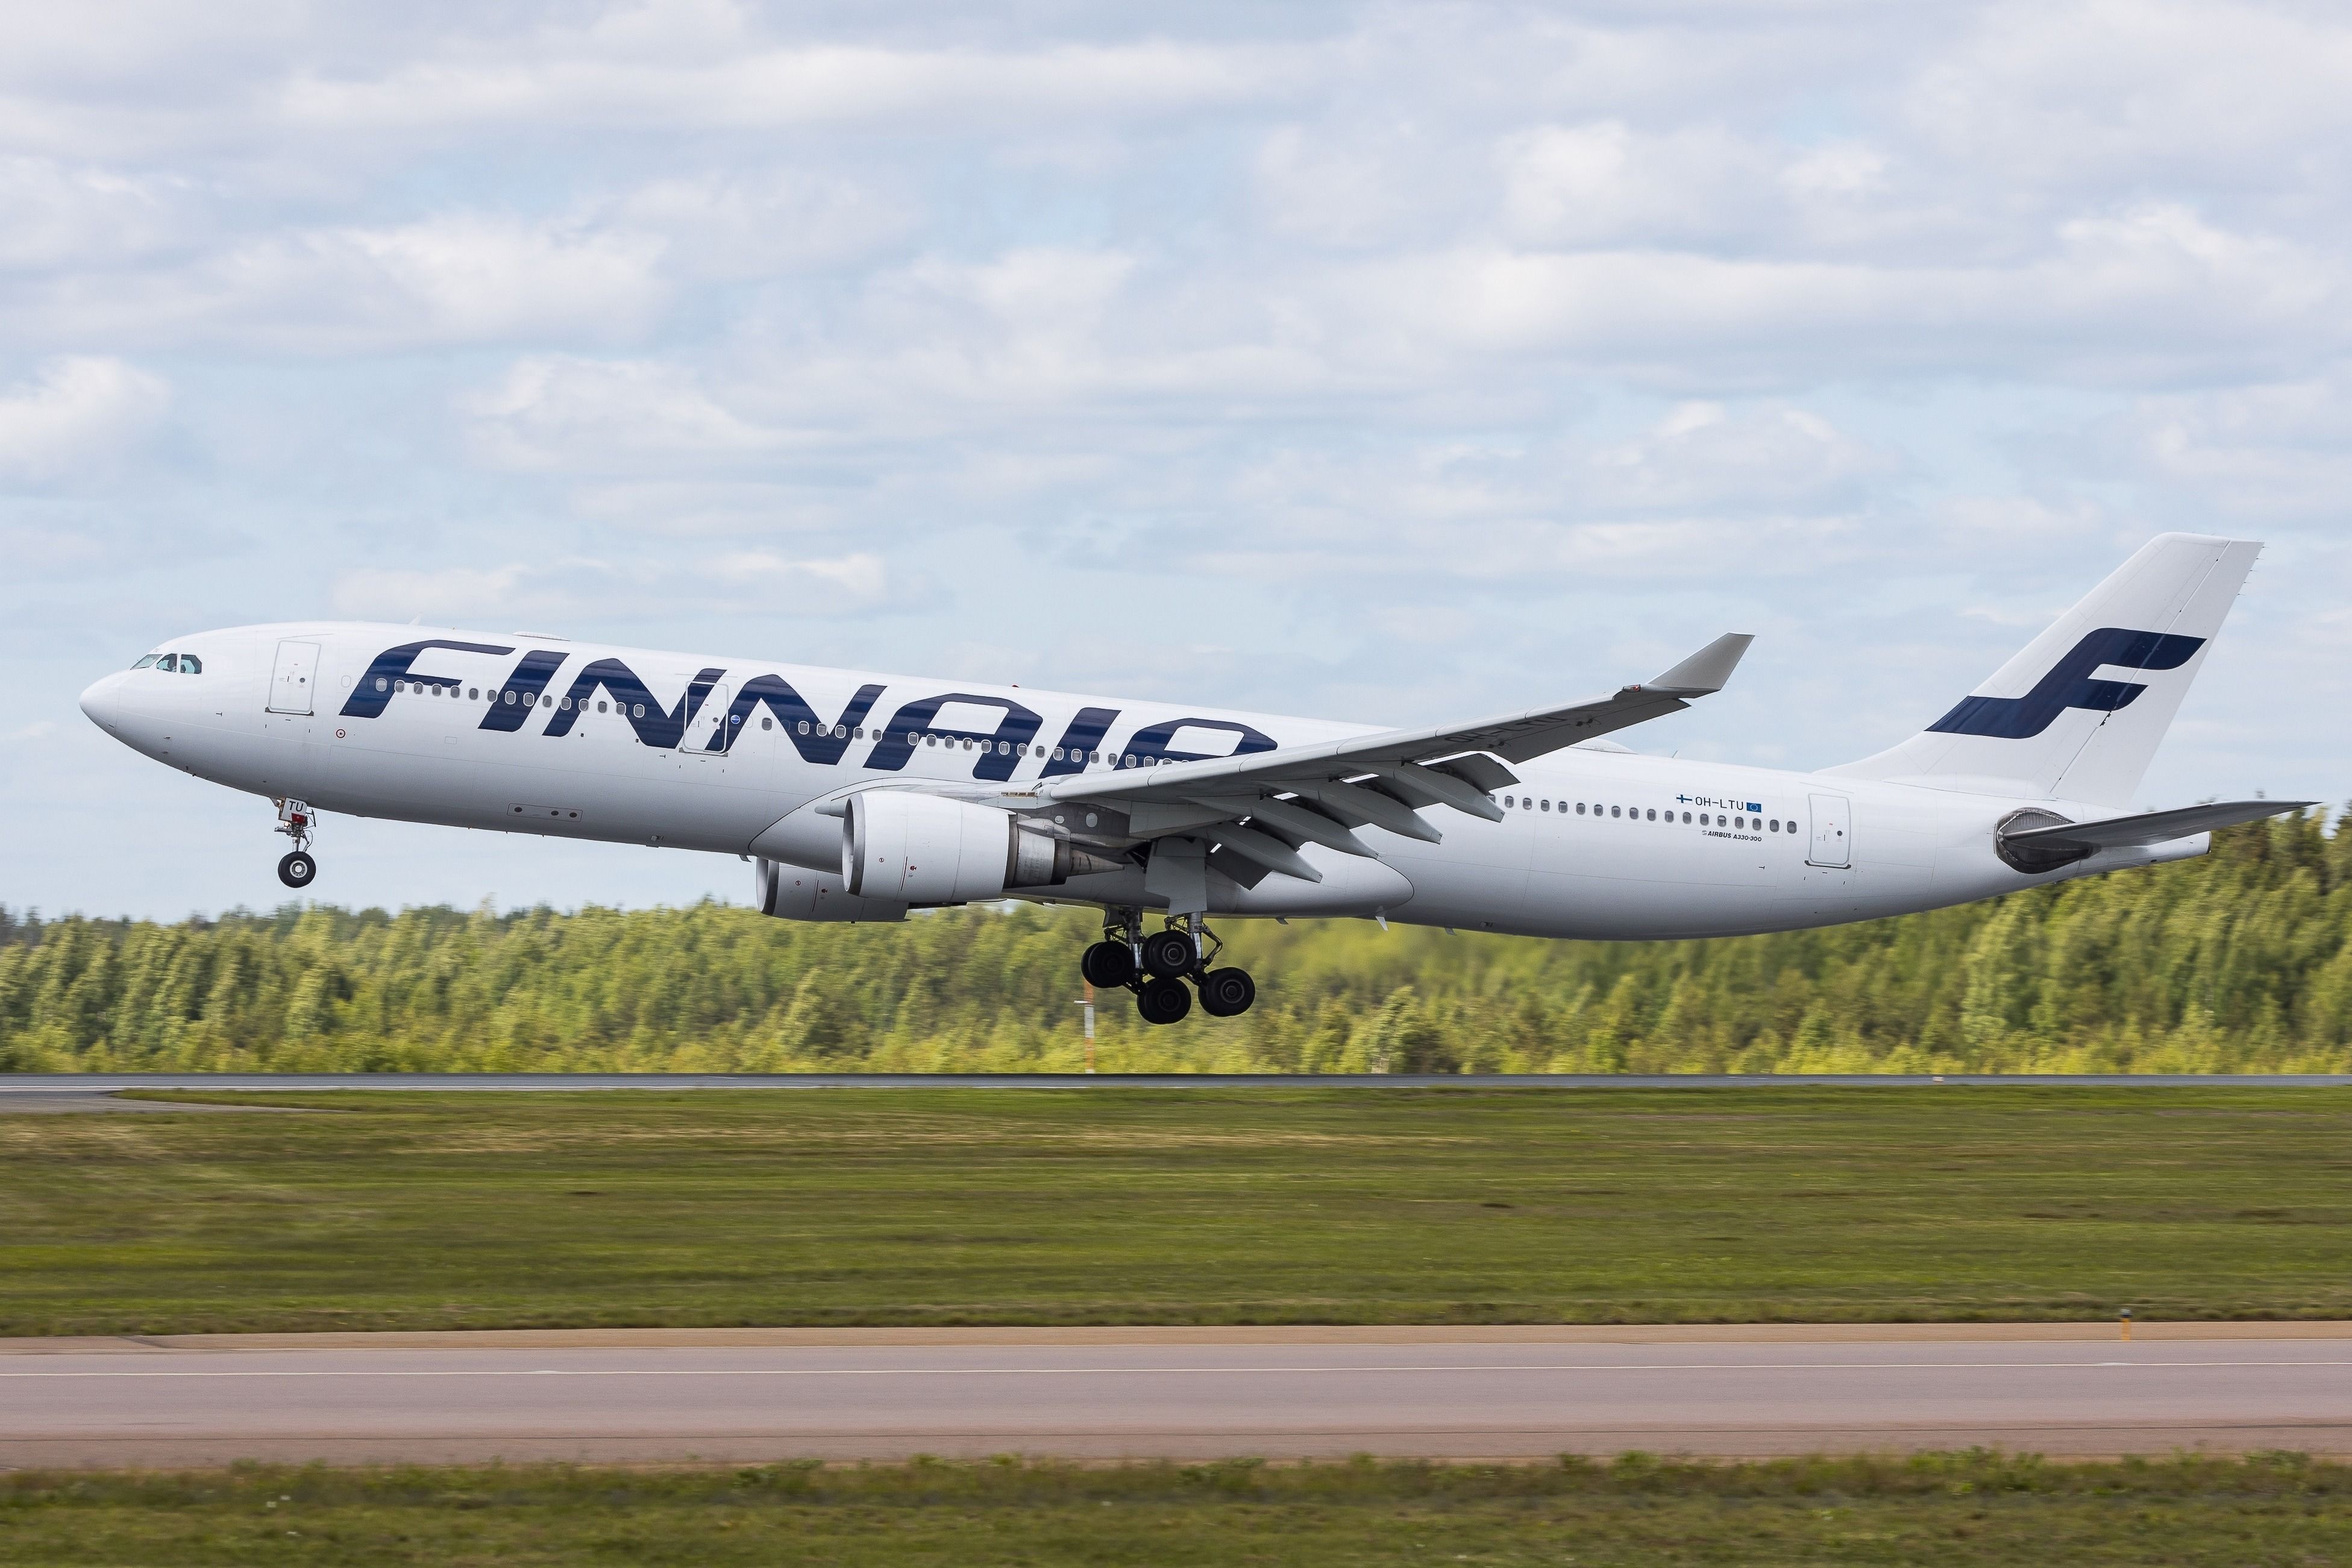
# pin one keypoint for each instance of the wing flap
(1408, 757)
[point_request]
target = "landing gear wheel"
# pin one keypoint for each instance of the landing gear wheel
(1108, 966)
(1169, 953)
(297, 869)
(1227, 993)
(1164, 1000)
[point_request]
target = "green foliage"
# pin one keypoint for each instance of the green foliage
(1959, 1509)
(2236, 962)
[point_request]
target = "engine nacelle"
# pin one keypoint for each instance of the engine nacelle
(901, 846)
(795, 893)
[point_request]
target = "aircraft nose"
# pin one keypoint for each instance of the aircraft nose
(102, 700)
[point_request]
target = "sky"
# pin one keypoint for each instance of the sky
(1393, 364)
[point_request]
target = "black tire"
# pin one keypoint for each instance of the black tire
(1108, 966)
(1227, 993)
(1168, 953)
(1164, 1000)
(297, 869)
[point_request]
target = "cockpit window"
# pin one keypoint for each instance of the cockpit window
(191, 665)
(147, 663)
(169, 662)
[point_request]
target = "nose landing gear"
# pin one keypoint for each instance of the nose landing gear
(294, 819)
(1164, 968)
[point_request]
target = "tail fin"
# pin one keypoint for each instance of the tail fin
(2060, 720)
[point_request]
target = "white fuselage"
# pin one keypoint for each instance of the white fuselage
(537, 734)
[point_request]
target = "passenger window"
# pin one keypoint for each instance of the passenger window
(1580, 808)
(1653, 817)
(1613, 811)
(637, 710)
(767, 723)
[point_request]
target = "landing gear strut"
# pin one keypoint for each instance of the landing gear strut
(294, 820)
(1158, 967)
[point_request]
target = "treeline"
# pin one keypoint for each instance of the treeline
(2236, 962)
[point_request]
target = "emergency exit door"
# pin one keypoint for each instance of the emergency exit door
(710, 733)
(1832, 831)
(293, 676)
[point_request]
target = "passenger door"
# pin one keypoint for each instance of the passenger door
(1832, 831)
(292, 677)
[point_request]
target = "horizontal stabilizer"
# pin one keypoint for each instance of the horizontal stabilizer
(2150, 826)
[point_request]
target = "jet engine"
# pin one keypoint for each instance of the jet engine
(796, 893)
(901, 846)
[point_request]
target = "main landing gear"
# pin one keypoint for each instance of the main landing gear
(294, 820)
(1164, 968)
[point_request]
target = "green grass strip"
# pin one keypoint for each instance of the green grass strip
(1965, 1509)
(938, 1206)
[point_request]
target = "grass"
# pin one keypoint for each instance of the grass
(1471, 1205)
(1954, 1509)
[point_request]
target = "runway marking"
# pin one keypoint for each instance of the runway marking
(1198, 1371)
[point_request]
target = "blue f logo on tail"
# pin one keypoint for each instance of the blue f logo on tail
(2068, 685)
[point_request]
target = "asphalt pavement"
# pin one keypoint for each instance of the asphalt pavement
(744, 1396)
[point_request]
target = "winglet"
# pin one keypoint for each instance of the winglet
(1708, 670)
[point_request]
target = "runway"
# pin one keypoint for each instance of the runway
(750, 1396)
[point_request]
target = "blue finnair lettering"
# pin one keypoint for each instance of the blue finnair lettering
(520, 692)
(2068, 685)
(391, 666)
(660, 727)
(816, 741)
(1151, 744)
(1085, 734)
(1001, 748)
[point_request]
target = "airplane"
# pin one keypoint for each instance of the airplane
(861, 796)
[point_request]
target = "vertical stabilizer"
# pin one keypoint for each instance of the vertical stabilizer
(2078, 714)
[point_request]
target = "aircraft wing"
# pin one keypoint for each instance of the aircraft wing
(2149, 827)
(1261, 806)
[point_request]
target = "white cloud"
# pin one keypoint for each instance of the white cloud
(639, 69)
(445, 594)
(62, 214)
(567, 590)
(734, 226)
(581, 415)
(843, 586)
(78, 413)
